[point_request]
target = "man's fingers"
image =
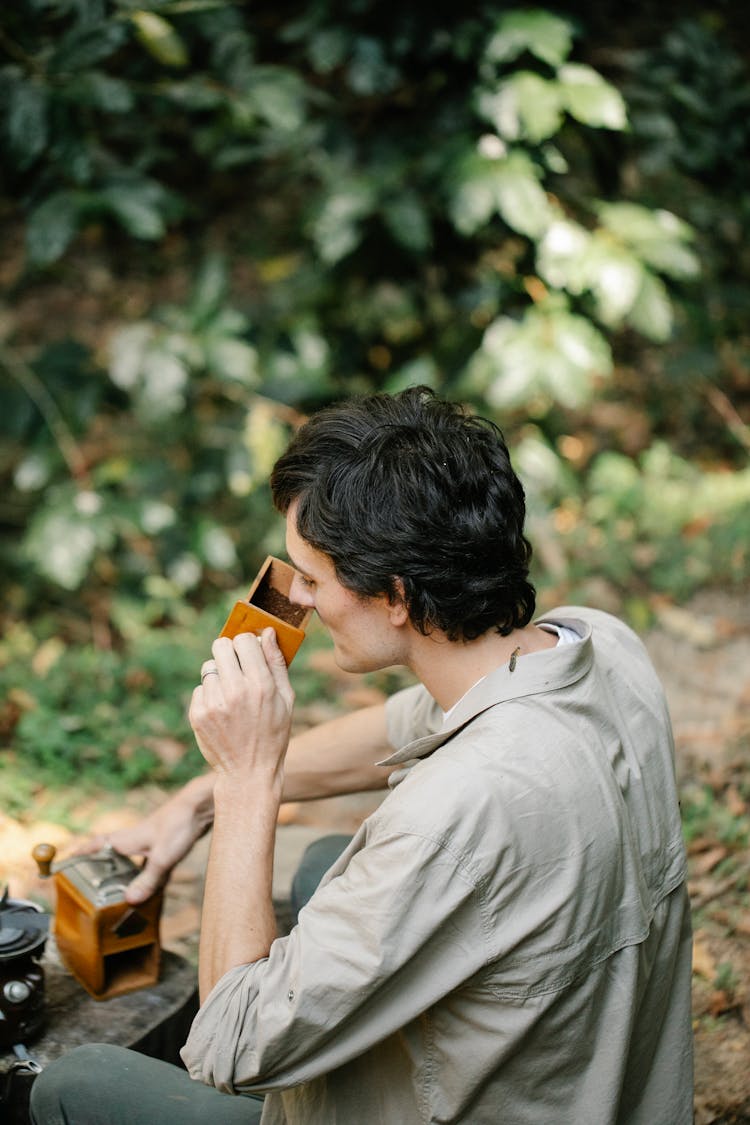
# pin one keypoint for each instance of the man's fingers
(277, 665)
(145, 884)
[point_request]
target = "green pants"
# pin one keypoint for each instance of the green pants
(101, 1084)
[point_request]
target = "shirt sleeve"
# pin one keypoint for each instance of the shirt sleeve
(374, 948)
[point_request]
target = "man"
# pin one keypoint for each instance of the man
(507, 938)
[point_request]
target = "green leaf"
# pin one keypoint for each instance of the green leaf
(280, 100)
(233, 359)
(541, 33)
(27, 120)
(473, 199)
(85, 45)
(160, 39)
(590, 99)
(65, 535)
(336, 228)
(550, 351)
(265, 439)
(209, 288)
(658, 237)
(509, 186)
(135, 208)
(328, 49)
(524, 105)
(616, 279)
(651, 312)
(521, 200)
(407, 220)
(102, 91)
(562, 256)
(51, 227)
(369, 72)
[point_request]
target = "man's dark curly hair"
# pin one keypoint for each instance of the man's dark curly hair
(412, 487)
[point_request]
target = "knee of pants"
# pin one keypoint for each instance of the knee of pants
(76, 1077)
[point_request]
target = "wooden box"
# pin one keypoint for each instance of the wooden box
(267, 603)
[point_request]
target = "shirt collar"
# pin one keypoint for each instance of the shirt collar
(539, 672)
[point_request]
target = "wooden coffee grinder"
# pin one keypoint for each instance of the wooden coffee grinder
(108, 945)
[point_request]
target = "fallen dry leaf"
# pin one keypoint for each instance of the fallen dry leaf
(721, 1001)
(736, 805)
(708, 860)
(703, 962)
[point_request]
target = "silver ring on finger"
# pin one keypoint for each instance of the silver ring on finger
(209, 672)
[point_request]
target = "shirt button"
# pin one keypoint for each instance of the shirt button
(290, 995)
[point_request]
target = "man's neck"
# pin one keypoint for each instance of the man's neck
(448, 669)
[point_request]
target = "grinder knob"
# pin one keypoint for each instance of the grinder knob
(44, 854)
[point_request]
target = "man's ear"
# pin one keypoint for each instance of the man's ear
(398, 609)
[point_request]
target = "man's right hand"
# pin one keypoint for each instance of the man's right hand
(163, 838)
(325, 761)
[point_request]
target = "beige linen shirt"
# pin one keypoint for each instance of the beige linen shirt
(506, 941)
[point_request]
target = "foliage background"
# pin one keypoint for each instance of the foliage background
(217, 217)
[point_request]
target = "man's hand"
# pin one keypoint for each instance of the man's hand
(164, 837)
(241, 712)
(241, 715)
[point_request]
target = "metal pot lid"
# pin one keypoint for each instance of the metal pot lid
(23, 927)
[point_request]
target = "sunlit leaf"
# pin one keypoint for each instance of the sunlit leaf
(657, 236)
(127, 349)
(574, 259)
(233, 359)
(336, 228)
(651, 312)
(550, 350)
(265, 439)
(541, 468)
(473, 201)
(521, 200)
(541, 33)
(185, 571)
(160, 38)
(63, 540)
(164, 382)
(136, 209)
(217, 547)
(590, 99)
(616, 279)
(561, 255)
(279, 97)
(156, 516)
(508, 186)
(524, 105)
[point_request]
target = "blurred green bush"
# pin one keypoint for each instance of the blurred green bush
(232, 214)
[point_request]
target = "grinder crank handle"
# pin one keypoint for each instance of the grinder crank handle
(44, 854)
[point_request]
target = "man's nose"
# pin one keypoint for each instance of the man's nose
(300, 594)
